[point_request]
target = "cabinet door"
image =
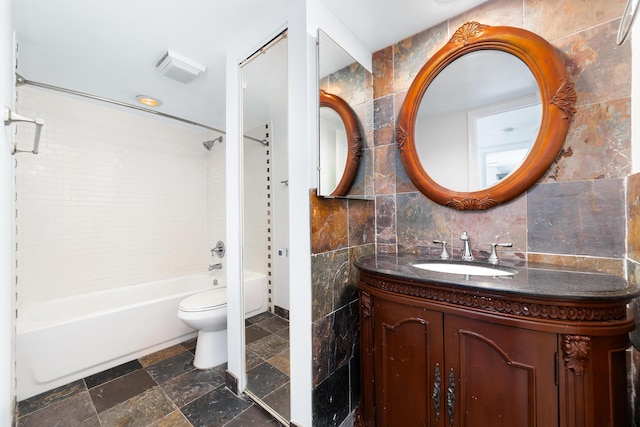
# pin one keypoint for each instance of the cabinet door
(500, 375)
(408, 365)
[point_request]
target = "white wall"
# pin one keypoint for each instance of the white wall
(216, 203)
(7, 329)
(112, 199)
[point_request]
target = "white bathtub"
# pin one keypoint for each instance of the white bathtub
(63, 340)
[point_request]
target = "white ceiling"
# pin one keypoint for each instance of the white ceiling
(110, 48)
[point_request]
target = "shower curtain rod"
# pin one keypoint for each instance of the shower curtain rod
(22, 81)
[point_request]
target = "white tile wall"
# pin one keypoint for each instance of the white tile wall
(114, 198)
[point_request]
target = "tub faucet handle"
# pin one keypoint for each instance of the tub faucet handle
(444, 254)
(219, 249)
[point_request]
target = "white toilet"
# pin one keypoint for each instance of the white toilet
(207, 312)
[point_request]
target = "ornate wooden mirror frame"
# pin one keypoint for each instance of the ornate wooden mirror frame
(557, 95)
(354, 140)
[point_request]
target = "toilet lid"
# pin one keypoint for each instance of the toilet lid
(204, 300)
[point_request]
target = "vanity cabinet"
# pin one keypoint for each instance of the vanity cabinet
(438, 354)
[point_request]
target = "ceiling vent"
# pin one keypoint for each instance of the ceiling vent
(179, 68)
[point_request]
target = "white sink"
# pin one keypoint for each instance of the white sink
(465, 269)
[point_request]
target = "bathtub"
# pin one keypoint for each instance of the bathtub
(66, 339)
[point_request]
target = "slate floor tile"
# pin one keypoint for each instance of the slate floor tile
(172, 367)
(121, 389)
(111, 374)
(264, 378)
(69, 412)
(192, 385)
(139, 411)
(215, 408)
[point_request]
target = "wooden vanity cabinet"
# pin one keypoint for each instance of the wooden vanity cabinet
(440, 361)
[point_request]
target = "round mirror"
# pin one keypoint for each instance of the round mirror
(485, 117)
(340, 144)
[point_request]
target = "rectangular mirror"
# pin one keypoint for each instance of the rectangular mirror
(345, 123)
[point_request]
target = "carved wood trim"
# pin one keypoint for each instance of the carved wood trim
(498, 304)
(365, 301)
(352, 129)
(575, 349)
(565, 98)
(472, 203)
(401, 137)
(467, 31)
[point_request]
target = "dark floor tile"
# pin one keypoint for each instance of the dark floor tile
(139, 411)
(284, 333)
(73, 411)
(254, 416)
(274, 324)
(252, 359)
(260, 317)
(254, 333)
(153, 358)
(113, 373)
(215, 408)
(174, 419)
(192, 385)
(121, 389)
(45, 399)
(269, 346)
(280, 401)
(264, 379)
(172, 367)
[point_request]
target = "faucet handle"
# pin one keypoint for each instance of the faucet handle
(493, 258)
(444, 254)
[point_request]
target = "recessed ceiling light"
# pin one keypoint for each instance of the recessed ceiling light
(148, 101)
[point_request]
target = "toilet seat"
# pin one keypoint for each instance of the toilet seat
(203, 301)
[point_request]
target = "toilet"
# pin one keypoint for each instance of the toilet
(207, 312)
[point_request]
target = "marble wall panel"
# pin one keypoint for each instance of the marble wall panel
(385, 169)
(493, 12)
(386, 219)
(598, 146)
(420, 221)
(633, 215)
(600, 69)
(330, 399)
(413, 52)
(505, 223)
(577, 218)
(549, 18)
(329, 276)
(383, 121)
(361, 222)
(382, 64)
(613, 266)
(329, 224)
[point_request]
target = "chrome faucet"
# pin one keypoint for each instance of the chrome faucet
(217, 266)
(467, 255)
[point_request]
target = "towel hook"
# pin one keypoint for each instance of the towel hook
(626, 21)
(11, 117)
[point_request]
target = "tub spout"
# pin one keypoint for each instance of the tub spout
(217, 266)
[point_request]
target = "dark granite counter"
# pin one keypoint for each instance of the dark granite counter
(530, 280)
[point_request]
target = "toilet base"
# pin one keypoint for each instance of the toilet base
(211, 349)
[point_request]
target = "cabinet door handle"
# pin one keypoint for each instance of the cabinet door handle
(451, 396)
(436, 391)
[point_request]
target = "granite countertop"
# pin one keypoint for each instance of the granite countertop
(533, 280)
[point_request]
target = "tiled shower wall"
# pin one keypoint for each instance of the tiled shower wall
(575, 215)
(112, 199)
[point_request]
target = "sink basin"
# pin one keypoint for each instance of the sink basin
(465, 269)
